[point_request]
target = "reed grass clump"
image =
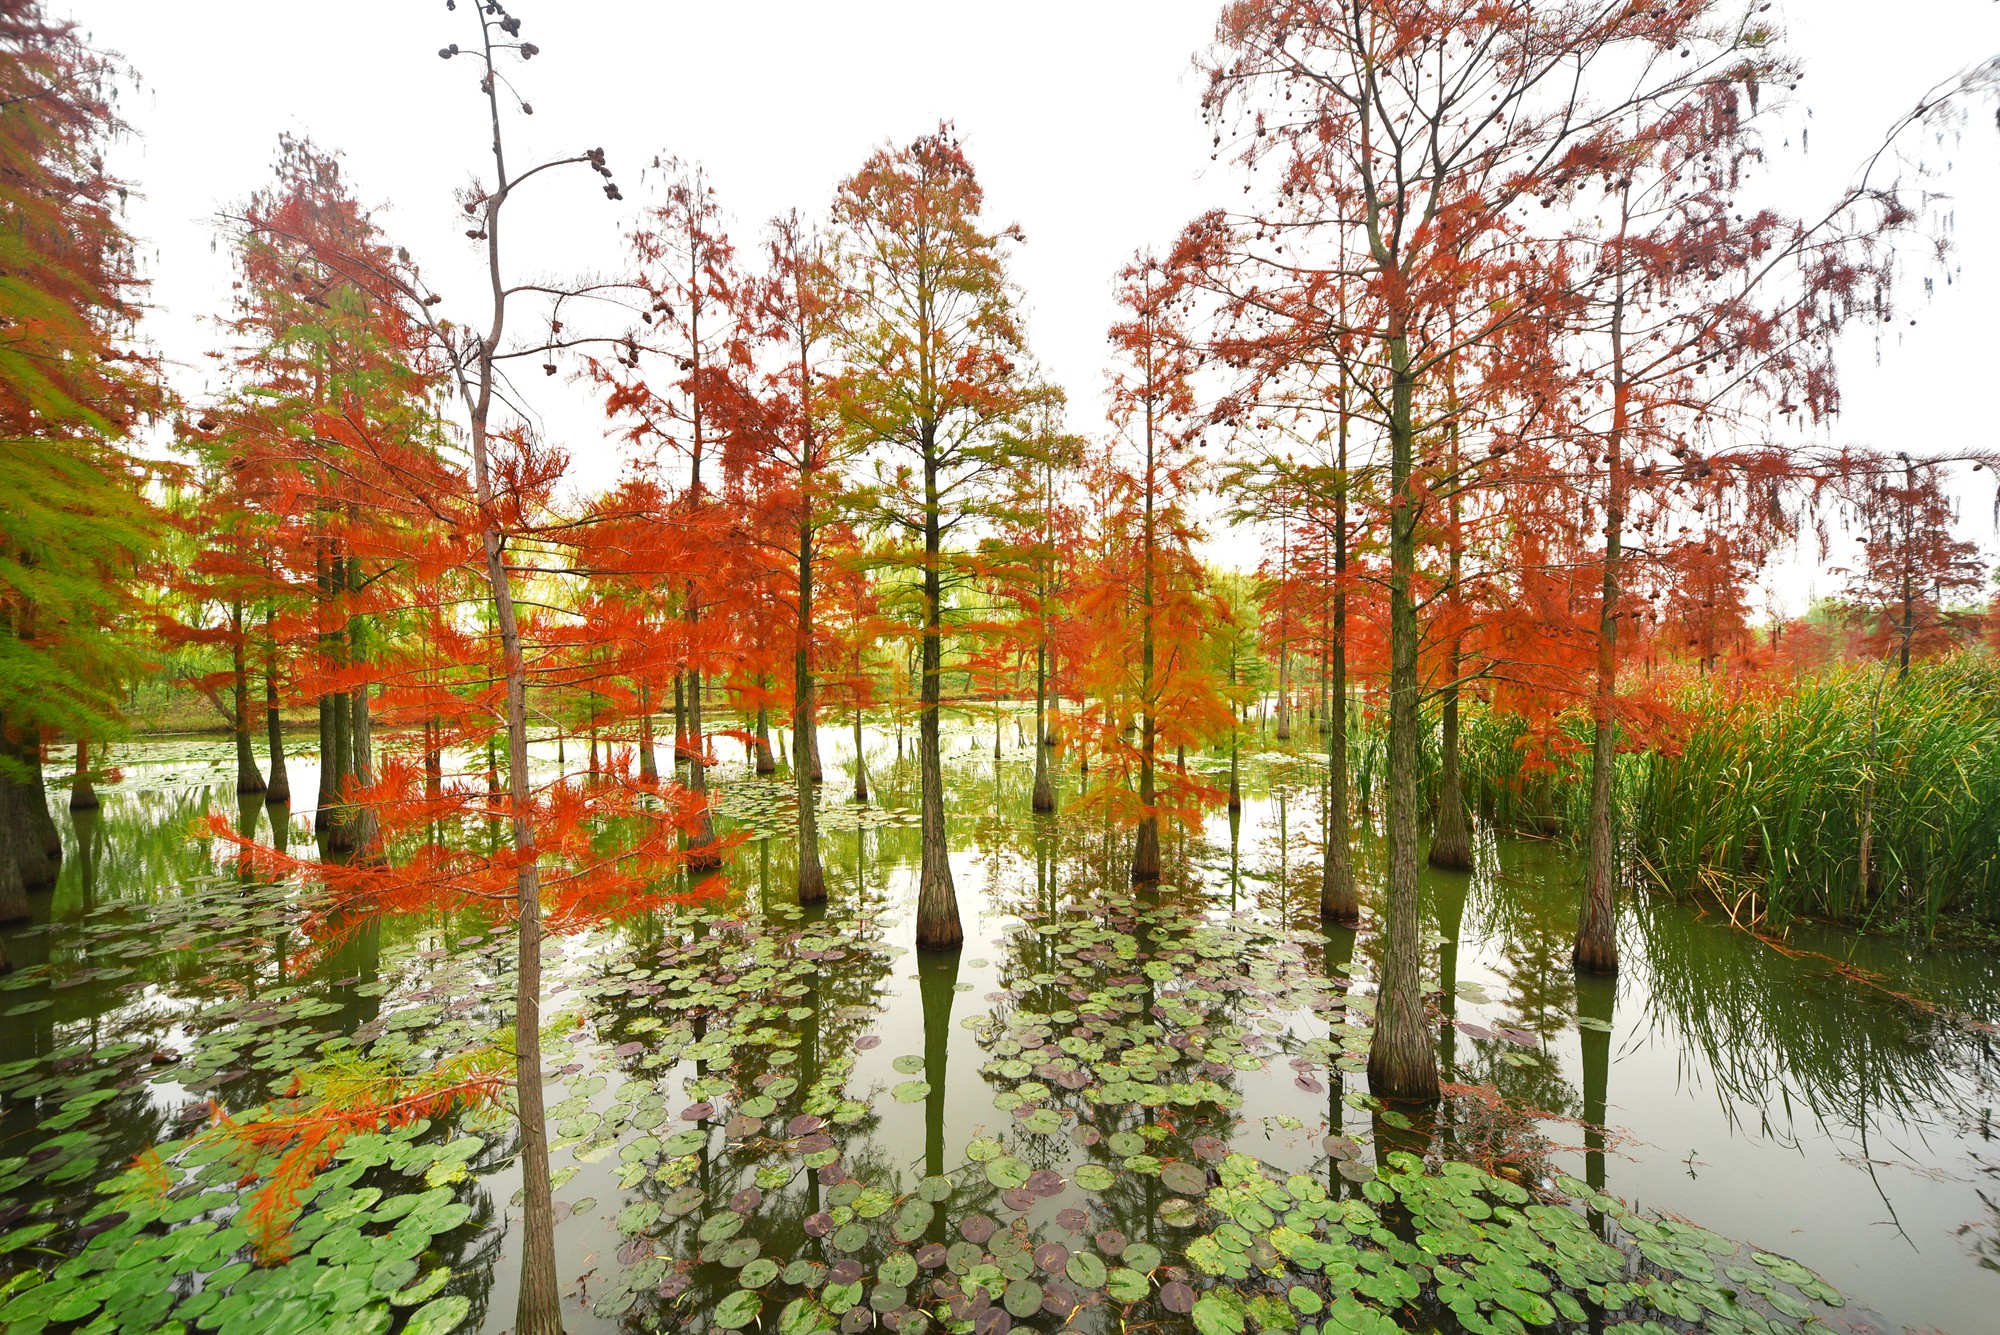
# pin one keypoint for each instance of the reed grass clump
(1522, 781)
(1852, 796)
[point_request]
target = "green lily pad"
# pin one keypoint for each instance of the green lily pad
(1094, 1177)
(1141, 1256)
(737, 1310)
(1023, 1298)
(1006, 1172)
(1086, 1270)
(440, 1317)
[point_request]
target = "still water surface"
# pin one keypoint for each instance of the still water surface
(1830, 1100)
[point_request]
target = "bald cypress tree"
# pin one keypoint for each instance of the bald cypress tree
(73, 522)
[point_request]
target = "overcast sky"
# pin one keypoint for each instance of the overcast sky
(1081, 117)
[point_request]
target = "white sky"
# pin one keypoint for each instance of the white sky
(1081, 117)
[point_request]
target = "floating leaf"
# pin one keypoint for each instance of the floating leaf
(1086, 1270)
(440, 1317)
(1094, 1177)
(1007, 1171)
(1219, 1312)
(737, 1310)
(1023, 1298)
(638, 1217)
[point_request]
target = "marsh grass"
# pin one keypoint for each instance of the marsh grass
(1767, 806)
(1764, 806)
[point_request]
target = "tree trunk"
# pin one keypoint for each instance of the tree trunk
(1284, 730)
(327, 819)
(649, 764)
(339, 836)
(364, 829)
(278, 792)
(860, 763)
(25, 860)
(82, 797)
(1597, 917)
(364, 824)
(701, 841)
(433, 760)
(938, 927)
(1044, 798)
(1402, 1064)
(1146, 848)
(435, 772)
(805, 748)
(680, 719)
(24, 804)
(248, 780)
(323, 810)
(1451, 843)
(767, 763)
(539, 1307)
(14, 905)
(1338, 902)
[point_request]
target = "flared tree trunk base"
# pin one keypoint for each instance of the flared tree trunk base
(1597, 957)
(938, 927)
(1596, 950)
(1339, 906)
(1396, 1081)
(1451, 846)
(701, 854)
(812, 882)
(1146, 853)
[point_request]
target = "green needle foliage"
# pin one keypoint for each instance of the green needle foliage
(73, 525)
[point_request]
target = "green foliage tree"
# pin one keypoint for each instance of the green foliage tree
(74, 523)
(933, 347)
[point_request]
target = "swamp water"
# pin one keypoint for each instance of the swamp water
(1107, 1106)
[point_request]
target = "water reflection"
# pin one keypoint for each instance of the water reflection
(1769, 1093)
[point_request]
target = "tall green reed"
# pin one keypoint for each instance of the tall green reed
(1854, 796)
(1762, 805)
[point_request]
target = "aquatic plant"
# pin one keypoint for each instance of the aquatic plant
(1852, 795)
